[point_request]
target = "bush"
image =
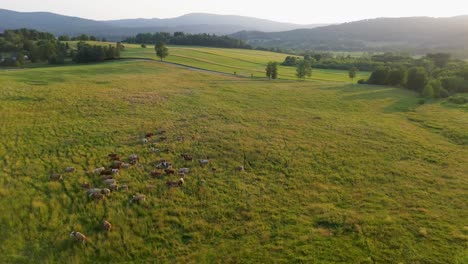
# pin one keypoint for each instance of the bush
(421, 101)
(143, 46)
(444, 93)
(379, 76)
(428, 91)
(362, 81)
(458, 100)
(455, 84)
(417, 79)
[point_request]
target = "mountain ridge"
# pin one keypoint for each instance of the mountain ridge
(189, 23)
(409, 32)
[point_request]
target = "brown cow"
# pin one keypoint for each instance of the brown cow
(106, 225)
(78, 236)
(56, 177)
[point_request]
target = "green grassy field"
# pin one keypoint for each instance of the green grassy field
(335, 173)
(243, 62)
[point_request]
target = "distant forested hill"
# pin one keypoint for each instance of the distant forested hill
(119, 29)
(414, 33)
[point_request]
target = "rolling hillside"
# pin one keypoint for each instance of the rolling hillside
(240, 61)
(334, 172)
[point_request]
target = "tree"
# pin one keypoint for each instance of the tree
(428, 91)
(440, 59)
(396, 77)
(64, 38)
(417, 79)
(379, 76)
(161, 50)
(272, 70)
(304, 69)
(352, 73)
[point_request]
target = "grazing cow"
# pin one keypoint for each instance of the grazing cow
(181, 174)
(117, 164)
(164, 165)
(99, 170)
(97, 196)
(126, 165)
(114, 187)
(69, 169)
(107, 177)
(106, 172)
(85, 185)
(155, 174)
(124, 187)
(144, 140)
(213, 169)
(187, 157)
(175, 183)
(106, 191)
(56, 177)
(149, 135)
(184, 170)
(203, 161)
(78, 236)
(106, 225)
(133, 159)
(162, 132)
(109, 181)
(154, 150)
(169, 171)
(93, 190)
(115, 171)
(113, 156)
(138, 198)
(240, 168)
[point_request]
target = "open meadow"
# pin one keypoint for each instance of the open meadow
(334, 172)
(242, 62)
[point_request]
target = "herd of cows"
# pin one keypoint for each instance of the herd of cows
(109, 175)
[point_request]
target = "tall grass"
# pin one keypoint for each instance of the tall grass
(334, 172)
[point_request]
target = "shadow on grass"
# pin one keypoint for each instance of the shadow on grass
(20, 98)
(402, 100)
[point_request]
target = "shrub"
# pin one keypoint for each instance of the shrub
(444, 93)
(458, 100)
(421, 101)
(379, 76)
(417, 79)
(362, 81)
(428, 91)
(143, 46)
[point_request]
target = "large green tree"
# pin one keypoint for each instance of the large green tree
(417, 79)
(440, 59)
(161, 50)
(272, 70)
(396, 77)
(379, 76)
(352, 73)
(303, 69)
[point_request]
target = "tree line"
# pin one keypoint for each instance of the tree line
(26, 44)
(433, 76)
(96, 53)
(180, 38)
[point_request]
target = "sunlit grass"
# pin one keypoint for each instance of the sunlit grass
(334, 172)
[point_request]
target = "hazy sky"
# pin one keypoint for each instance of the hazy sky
(295, 11)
